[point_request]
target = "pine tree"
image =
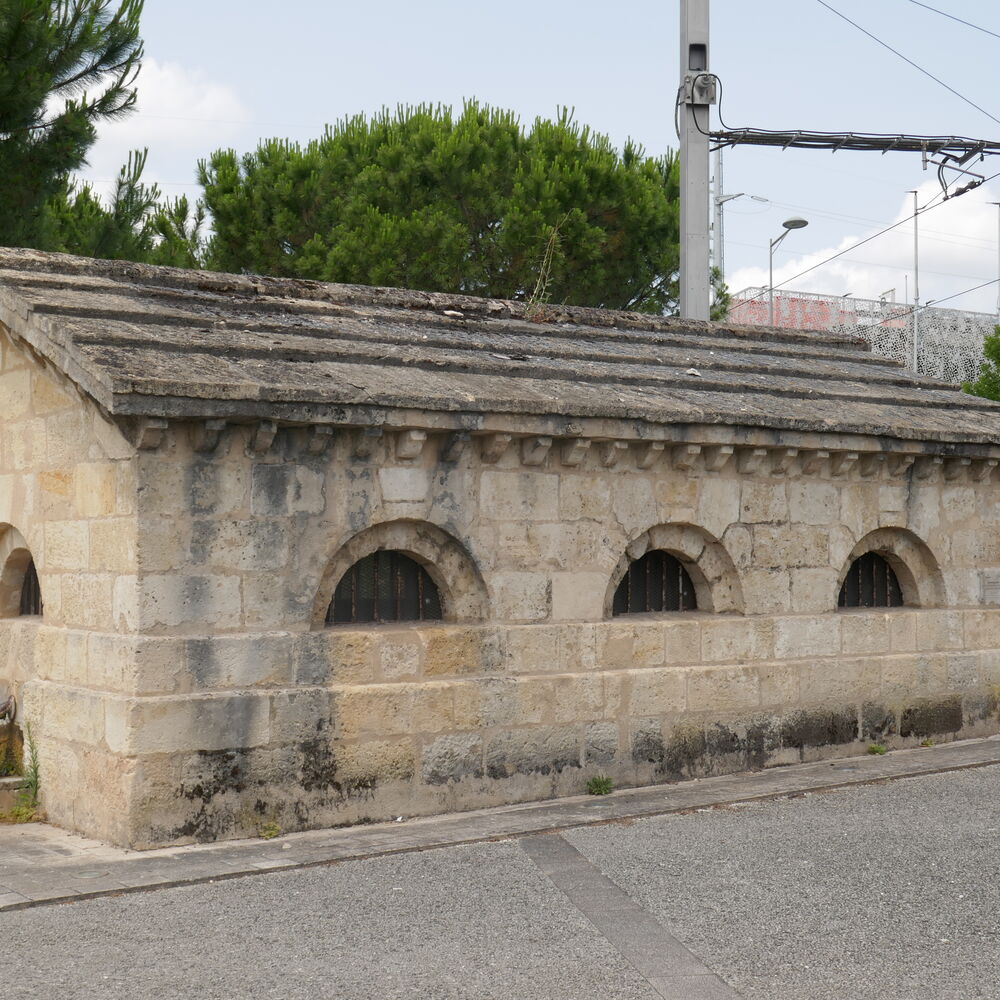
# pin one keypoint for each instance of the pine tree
(65, 67)
(988, 383)
(421, 198)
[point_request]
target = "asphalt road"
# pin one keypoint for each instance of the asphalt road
(886, 890)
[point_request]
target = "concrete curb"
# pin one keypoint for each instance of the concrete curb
(128, 872)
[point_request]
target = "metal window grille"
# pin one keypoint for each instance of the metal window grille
(871, 583)
(656, 582)
(31, 592)
(385, 587)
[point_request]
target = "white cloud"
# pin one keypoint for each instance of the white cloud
(958, 250)
(183, 115)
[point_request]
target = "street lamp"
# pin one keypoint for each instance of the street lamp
(793, 223)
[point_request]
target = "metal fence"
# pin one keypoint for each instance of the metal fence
(950, 341)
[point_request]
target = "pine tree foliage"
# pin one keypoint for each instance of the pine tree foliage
(423, 198)
(988, 383)
(65, 67)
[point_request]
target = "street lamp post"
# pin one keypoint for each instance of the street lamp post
(793, 223)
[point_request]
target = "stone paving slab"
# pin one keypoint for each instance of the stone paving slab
(41, 864)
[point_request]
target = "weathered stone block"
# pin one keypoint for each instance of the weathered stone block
(722, 689)
(601, 745)
(173, 600)
(737, 639)
(584, 497)
(789, 547)
(404, 485)
(400, 655)
(533, 649)
(544, 750)
(521, 597)
(278, 490)
(812, 502)
(518, 496)
(763, 502)
(451, 758)
(939, 630)
(839, 681)
(656, 692)
(578, 596)
(807, 636)
(451, 651)
(866, 632)
(682, 642)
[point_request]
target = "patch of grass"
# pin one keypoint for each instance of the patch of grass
(268, 831)
(600, 785)
(928, 741)
(877, 748)
(27, 797)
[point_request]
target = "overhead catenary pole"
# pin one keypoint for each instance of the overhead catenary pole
(697, 93)
(916, 287)
(997, 203)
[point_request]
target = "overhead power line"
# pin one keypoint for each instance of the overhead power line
(944, 13)
(933, 203)
(916, 66)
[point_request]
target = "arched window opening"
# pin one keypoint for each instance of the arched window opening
(871, 583)
(656, 582)
(31, 592)
(385, 586)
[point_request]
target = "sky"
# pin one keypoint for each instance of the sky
(228, 74)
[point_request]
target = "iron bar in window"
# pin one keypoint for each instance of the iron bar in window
(386, 586)
(656, 582)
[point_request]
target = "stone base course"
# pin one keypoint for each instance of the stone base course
(346, 726)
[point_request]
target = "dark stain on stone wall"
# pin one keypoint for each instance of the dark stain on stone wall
(819, 727)
(877, 722)
(931, 716)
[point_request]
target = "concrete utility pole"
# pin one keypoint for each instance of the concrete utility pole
(997, 203)
(697, 94)
(916, 288)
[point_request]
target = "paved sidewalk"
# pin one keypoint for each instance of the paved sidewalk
(41, 864)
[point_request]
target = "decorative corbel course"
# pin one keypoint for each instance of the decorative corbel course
(956, 468)
(716, 456)
(410, 444)
(454, 446)
(685, 456)
(926, 467)
(150, 433)
(841, 463)
(493, 447)
(319, 439)
(982, 470)
(574, 451)
(534, 450)
(365, 441)
(207, 434)
(751, 460)
(649, 453)
(811, 462)
(611, 452)
(782, 460)
(262, 436)
(899, 465)
(871, 464)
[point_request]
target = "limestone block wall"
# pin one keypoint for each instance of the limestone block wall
(243, 709)
(67, 501)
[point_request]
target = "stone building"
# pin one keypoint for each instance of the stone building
(284, 552)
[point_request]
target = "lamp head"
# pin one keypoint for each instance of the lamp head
(795, 223)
